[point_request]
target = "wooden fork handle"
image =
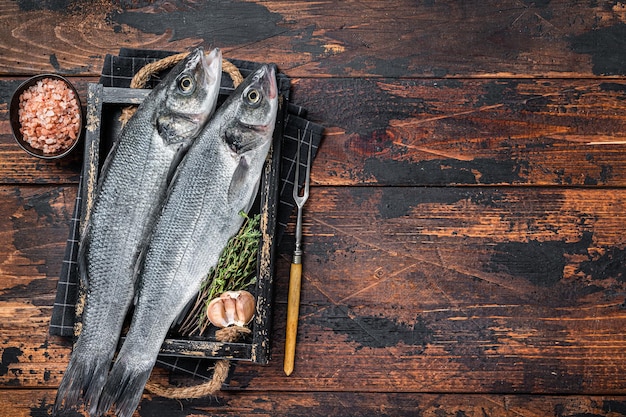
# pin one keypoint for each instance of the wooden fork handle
(293, 307)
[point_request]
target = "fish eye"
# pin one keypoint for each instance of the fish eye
(186, 84)
(253, 96)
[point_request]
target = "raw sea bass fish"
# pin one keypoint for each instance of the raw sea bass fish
(217, 179)
(131, 189)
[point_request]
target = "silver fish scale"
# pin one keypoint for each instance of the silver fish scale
(119, 219)
(118, 223)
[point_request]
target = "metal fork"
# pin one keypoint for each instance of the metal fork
(295, 273)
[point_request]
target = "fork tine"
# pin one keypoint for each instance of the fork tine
(298, 198)
(307, 181)
(296, 180)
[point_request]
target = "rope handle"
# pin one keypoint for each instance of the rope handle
(220, 372)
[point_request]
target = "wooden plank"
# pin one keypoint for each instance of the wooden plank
(328, 38)
(35, 225)
(460, 290)
(467, 132)
(418, 298)
(500, 290)
(432, 132)
(19, 403)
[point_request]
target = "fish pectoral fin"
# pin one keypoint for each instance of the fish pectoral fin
(137, 272)
(238, 180)
(82, 262)
(164, 126)
(180, 153)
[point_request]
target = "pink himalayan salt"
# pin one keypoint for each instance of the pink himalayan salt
(49, 116)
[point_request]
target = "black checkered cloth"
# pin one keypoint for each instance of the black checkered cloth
(118, 71)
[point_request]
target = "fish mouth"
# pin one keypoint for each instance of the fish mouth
(212, 63)
(196, 118)
(209, 67)
(268, 81)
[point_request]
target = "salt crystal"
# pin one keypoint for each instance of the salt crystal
(41, 115)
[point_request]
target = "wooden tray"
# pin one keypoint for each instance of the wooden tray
(104, 106)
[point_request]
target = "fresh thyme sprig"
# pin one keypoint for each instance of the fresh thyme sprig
(235, 270)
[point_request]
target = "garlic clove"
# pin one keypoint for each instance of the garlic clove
(216, 313)
(231, 308)
(246, 304)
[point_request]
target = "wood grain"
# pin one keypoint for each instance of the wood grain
(432, 132)
(464, 290)
(425, 290)
(467, 132)
(328, 38)
(34, 228)
(463, 243)
(242, 404)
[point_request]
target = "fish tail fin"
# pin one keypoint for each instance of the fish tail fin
(84, 379)
(124, 387)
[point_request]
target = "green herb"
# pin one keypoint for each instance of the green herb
(235, 270)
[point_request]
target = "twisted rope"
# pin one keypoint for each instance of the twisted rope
(220, 372)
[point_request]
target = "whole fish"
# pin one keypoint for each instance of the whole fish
(217, 179)
(130, 191)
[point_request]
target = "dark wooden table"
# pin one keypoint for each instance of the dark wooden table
(464, 236)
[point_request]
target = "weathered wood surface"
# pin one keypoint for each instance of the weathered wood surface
(328, 38)
(464, 242)
(437, 132)
(322, 404)
(419, 290)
